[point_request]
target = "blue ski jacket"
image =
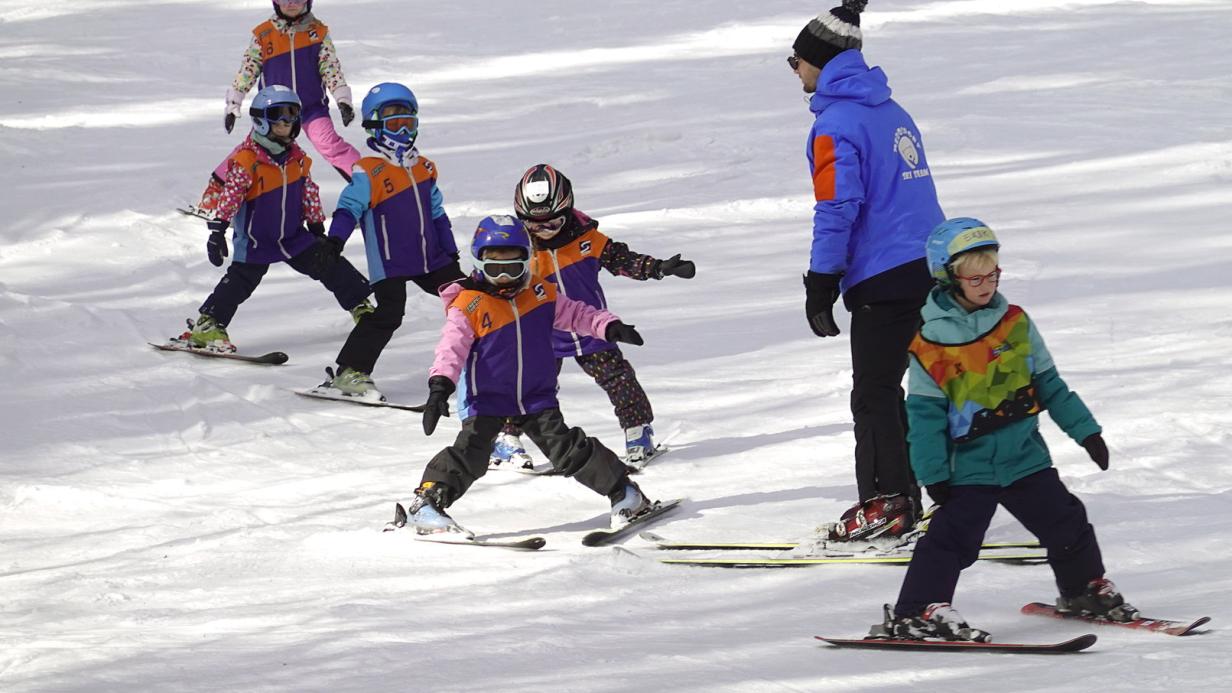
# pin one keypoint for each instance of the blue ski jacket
(876, 202)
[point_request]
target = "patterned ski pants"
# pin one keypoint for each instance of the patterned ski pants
(613, 372)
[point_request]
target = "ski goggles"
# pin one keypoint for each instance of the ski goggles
(406, 122)
(283, 113)
(497, 269)
(550, 226)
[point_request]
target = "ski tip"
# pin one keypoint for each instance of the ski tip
(275, 358)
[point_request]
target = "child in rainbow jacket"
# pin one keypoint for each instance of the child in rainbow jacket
(979, 376)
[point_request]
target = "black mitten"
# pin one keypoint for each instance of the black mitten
(439, 390)
(617, 331)
(674, 266)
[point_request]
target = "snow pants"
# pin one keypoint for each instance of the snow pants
(373, 331)
(348, 286)
(1040, 502)
(570, 450)
(880, 335)
(613, 372)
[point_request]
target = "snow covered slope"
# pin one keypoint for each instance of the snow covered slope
(169, 523)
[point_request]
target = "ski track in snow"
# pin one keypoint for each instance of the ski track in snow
(172, 523)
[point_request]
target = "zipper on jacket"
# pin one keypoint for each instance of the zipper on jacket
(560, 283)
(517, 327)
(474, 378)
(423, 228)
(385, 235)
(293, 85)
(282, 225)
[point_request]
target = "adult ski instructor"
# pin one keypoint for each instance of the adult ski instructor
(875, 206)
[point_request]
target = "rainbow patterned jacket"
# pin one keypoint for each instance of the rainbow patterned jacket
(976, 383)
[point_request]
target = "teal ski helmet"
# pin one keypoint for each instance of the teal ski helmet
(274, 103)
(951, 238)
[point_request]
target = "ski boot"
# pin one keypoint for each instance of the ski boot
(353, 383)
(639, 445)
(884, 524)
(508, 448)
(206, 333)
(426, 512)
(358, 312)
(937, 622)
(1101, 600)
(627, 503)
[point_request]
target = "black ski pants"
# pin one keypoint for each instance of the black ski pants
(880, 335)
(373, 331)
(348, 286)
(570, 450)
(1040, 502)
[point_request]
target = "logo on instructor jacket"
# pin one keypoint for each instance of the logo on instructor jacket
(907, 144)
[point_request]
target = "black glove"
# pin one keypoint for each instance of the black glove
(939, 492)
(1096, 448)
(617, 331)
(316, 228)
(216, 246)
(332, 245)
(439, 390)
(348, 113)
(673, 265)
(228, 122)
(821, 291)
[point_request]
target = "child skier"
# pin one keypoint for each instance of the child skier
(979, 377)
(497, 345)
(407, 235)
(292, 48)
(268, 196)
(569, 252)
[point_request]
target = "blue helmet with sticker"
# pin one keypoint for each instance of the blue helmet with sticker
(502, 231)
(394, 133)
(272, 104)
(951, 238)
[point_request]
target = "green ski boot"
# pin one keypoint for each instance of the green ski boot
(208, 334)
(354, 383)
(365, 308)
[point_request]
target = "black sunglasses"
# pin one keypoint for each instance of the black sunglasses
(794, 61)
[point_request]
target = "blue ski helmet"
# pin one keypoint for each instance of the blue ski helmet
(274, 103)
(394, 134)
(501, 231)
(951, 238)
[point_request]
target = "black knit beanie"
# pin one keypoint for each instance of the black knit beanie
(831, 33)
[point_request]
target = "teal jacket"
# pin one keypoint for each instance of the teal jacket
(1003, 456)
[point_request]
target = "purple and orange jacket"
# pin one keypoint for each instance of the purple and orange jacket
(571, 260)
(499, 351)
(406, 231)
(268, 203)
(297, 54)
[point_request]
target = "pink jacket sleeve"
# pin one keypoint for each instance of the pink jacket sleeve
(239, 180)
(575, 316)
(456, 338)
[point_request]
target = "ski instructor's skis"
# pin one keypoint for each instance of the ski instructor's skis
(1157, 625)
(1077, 644)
